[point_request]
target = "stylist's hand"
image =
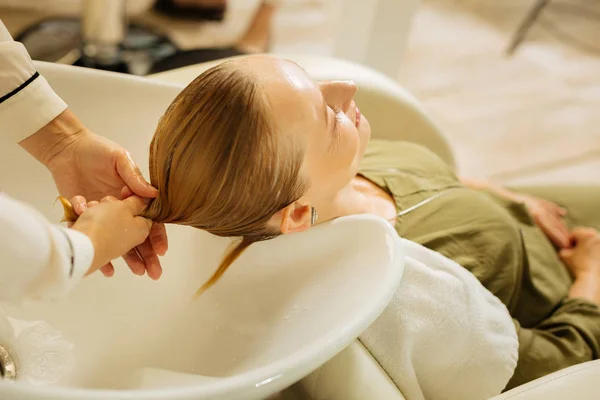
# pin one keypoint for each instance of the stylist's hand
(83, 163)
(115, 228)
(94, 167)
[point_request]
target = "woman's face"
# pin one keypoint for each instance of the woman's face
(320, 117)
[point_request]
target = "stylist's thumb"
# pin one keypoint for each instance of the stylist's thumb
(137, 206)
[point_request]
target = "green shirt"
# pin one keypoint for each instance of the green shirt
(497, 241)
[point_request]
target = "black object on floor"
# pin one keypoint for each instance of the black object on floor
(193, 12)
(59, 40)
(144, 51)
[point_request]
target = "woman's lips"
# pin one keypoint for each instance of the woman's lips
(358, 116)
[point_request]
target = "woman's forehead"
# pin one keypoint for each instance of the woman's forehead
(271, 69)
(293, 96)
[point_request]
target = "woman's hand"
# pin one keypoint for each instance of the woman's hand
(583, 259)
(83, 163)
(115, 228)
(548, 216)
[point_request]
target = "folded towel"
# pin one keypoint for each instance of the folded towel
(443, 335)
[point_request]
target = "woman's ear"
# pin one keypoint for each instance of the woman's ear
(293, 218)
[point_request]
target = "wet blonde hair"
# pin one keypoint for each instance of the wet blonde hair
(220, 165)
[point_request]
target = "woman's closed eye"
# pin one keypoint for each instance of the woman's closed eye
(337, 113)
(335, 127)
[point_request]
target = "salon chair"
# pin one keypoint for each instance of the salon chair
(395, 114)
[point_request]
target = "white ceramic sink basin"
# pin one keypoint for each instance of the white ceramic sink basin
(282, 310)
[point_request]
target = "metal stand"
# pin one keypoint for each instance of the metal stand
(580, 10)
(525, 25)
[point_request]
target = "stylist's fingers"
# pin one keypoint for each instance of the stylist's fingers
(158, 232)
(158, 238)
(135, 262)
(151, 261)
(126, 192)
(131, 175)
(135, 204)
(108, 198)
(145, 258)
(108, 270)
(79, 204)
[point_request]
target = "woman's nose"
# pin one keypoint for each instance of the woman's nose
(339, 93)
(349, 90)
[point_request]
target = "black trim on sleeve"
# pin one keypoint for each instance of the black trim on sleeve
(17, 90)
(72, 258)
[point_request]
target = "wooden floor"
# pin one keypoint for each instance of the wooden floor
(533, 117)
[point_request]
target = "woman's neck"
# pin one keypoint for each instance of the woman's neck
(360, 196)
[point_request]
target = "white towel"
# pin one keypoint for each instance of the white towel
(443, 335)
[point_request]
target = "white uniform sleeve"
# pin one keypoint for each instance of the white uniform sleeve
(38, 259)
(27, 102)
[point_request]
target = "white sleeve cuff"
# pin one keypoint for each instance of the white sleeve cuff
(83, 254)
(72, 257)
(29, 110)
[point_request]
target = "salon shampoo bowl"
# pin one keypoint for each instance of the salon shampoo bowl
(284, 309)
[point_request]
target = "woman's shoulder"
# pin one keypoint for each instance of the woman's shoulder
(401, 154)
(393, 158)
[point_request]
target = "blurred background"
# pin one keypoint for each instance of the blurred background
(532, 116)
(515, 84)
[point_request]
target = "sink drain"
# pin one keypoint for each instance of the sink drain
(8, 369)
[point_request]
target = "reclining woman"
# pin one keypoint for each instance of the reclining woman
(253, 148)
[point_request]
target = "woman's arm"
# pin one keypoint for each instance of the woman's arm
(480, 184)
(547, 215)
(571, 335)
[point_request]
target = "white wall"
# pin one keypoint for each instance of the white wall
(370, 32)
